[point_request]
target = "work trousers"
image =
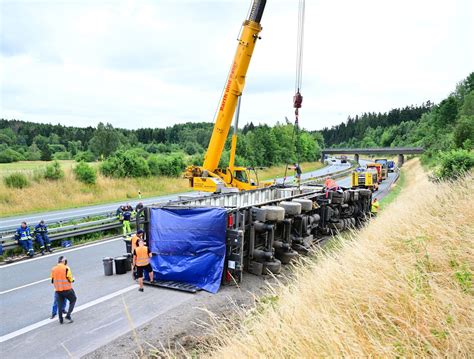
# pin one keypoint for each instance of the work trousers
(43, 239)
(55, 304)
(71, 297)
(126, 228)
(27, 245)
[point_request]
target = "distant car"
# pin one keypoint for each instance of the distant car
(391, 166)
(343, 159)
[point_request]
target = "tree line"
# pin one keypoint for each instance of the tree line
(445, 130)
(259, 145)
(355, 129)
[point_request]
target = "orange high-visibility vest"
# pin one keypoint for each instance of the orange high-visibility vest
(135, 239)
(142, 256)
(60, 281)
(330, 183)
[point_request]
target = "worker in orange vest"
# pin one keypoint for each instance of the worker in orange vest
(136, 237)
(330, 183)
(141, 260)
(61, 278)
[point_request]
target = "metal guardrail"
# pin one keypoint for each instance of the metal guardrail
(105, 213)
(60, 233)
(63, 232)
(336, 174)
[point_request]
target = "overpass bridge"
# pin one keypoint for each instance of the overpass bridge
(400, 151)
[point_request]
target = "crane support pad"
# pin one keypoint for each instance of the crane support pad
(173, 285)
(188, 245)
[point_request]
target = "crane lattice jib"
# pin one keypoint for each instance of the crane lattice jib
(234, 85)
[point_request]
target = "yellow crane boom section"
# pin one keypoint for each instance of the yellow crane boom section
(233, 89)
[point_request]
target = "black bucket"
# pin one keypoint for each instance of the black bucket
(120, 265)
(128, 256)
(108, 266)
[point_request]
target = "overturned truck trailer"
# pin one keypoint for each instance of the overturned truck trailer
(203, 242)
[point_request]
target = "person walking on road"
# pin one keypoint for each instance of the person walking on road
(298, 172)
(141, 260)
(23, 238)
(62, 279)
(54, 310)
(41, 235)
(374, 208)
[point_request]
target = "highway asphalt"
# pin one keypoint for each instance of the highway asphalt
(10, 223)
(107, 307)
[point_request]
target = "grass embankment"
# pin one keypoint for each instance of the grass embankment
(68, 192)
(401, 287)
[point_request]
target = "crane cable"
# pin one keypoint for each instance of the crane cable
(298, 98)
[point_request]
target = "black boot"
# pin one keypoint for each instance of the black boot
(48, 248)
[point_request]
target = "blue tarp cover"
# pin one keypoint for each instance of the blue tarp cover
(189, 245)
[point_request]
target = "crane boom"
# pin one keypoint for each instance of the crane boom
(234, 85)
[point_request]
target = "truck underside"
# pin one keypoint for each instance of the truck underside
(261, 230)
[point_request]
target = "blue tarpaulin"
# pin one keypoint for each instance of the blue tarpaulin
(189, 245)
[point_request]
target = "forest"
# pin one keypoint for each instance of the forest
(447, 126)
(260, 145)
(439, 128)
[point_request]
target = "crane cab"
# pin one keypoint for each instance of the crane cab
(224, 180)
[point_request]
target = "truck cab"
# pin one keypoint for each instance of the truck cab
(384, 163)
(378, 168)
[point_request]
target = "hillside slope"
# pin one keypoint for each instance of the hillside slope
(400, 287)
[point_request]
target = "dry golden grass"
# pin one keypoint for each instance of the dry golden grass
(68, 192)
(401, 287)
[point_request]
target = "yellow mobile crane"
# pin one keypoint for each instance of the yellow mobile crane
(209, 177)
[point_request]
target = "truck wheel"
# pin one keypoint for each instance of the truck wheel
(306, 204)
(274, 213)
(286, 257)
(272, 267)
(291, 208)
(347, 196)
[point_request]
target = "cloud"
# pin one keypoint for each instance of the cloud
(156, 63)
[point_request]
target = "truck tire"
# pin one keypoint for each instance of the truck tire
(291, 208)
(347, 196)
(272, 267)
(274, 213)
(306, 204)
(286, 257)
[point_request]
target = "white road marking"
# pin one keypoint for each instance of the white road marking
(59, 253)
(24, 286)
(44, 322)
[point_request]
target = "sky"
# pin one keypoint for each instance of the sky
(142, 63)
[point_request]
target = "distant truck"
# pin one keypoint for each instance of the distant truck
(391, 166)
(377, 167)
(365, 179)
(384, 163)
